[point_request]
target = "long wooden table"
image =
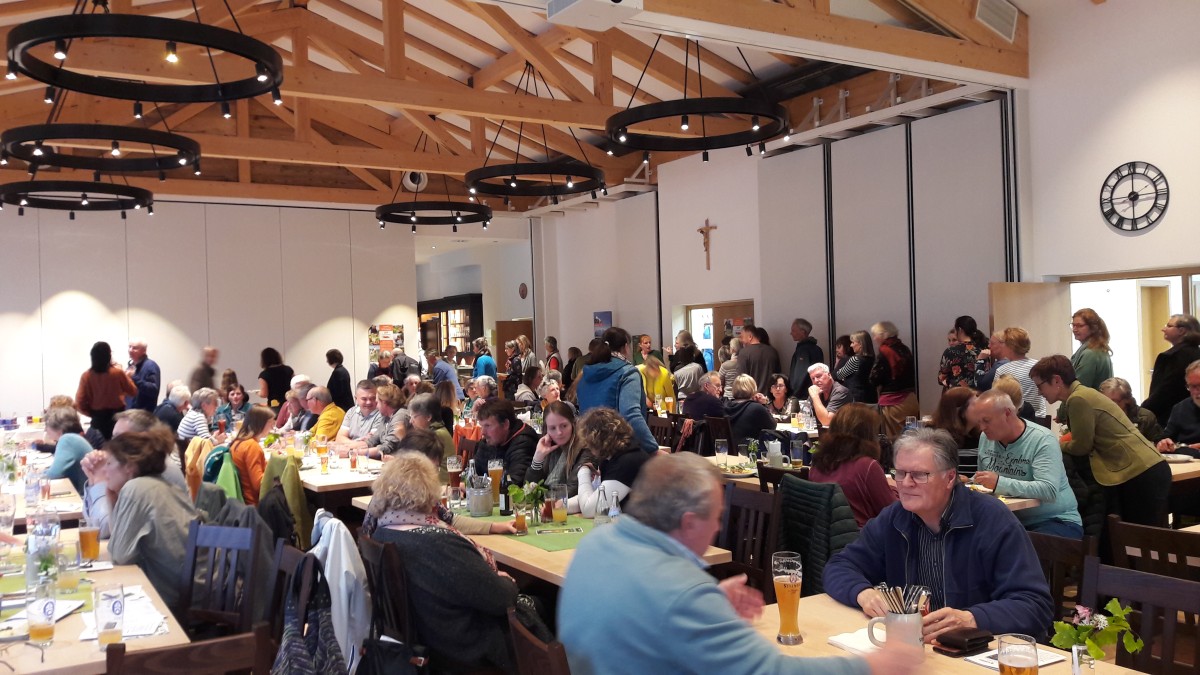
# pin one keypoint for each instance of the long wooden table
(70, 656)
(548, 566)
(821, 617)
(1185, 472)
(334, 491)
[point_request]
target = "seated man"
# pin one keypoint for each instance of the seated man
(363, 426)
(329, 416)
(637, 598)
(1019, 459)
(967, 547)
(826, 393)
(442, 371)
(170, 412)
(504, 437)
(1182, 433)
(706, 402)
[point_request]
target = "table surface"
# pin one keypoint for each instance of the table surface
(63, 499)
(341, 478)
(1185, 471)
(821, 617)
(787, 427)
(548, 566)
(68, 655)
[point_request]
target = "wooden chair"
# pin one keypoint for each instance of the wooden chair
(750, 530)
(389, 590)
(290, 564)
(466, 448)
(769, 476)
(535, 657)
(662, 430)
(226, 557)
(1158, 602)
(719, 430)
(1156, 550)
(1062, 563)
(968, 462)
(251, 651)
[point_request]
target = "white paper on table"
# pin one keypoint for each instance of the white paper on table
(141, 617)
(988, 659)
(63, 507)
(855, 643)
(97, 566)
(61, 609)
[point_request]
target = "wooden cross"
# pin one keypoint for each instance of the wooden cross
(705, 231)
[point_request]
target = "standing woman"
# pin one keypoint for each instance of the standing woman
(644, 351)
(893, 374)
(656, 380)
(525, 351)
(611, 381)
(1135, 477)
(102, 389)
(856, 373)
(1167, 386)
(484, 363)
(1093, 360)
(247, 453)
(957, 368)
(684, 343)
(553, 358)
(573, 356)
(512, 352)
(842, 351)
(275, 378)
(729, 368)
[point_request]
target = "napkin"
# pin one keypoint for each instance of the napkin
(855, 643)
(61, 609)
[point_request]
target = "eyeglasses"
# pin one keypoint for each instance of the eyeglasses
(778, 384)
(918, 477)
(1193, 387)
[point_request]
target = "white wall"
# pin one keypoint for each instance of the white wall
(238, 277)
(1111, 83)
(496, 270)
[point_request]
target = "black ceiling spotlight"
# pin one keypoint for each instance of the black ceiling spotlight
(23, 38)
(28, 142)
(767, 119)
(70, 195)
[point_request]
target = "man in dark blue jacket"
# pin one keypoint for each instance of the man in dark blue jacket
(967, 547)
(146, 375)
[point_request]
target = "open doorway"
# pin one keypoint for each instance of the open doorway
(712, 325)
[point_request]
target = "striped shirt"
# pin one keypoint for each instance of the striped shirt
(194, 424)
(1019, 370)
(931, 557)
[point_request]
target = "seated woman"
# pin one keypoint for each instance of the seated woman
(780, 390)
(469, 397)
(439, 563)
(150, 517)
(849, 456)
(951, 415)
(198, 421)
(424, 412)
(531, 379)
(1012, 388)
(1118, 391)
(656, 380)
(558, 457)
(747, 417)
(291, 412)
(392, 405)
(608, 438)
(247, 453)
(236, 404)
(70, 447)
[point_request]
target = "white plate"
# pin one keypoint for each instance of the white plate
(1177, 459)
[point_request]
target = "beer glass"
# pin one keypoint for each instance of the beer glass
(40, 612)
(108, 603)
(1017, 655)
(89, 541)
(788, 572)
(69, 572)
(495, 472)
(454, 469)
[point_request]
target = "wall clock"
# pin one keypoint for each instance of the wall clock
(523, 291)
(1134, 196)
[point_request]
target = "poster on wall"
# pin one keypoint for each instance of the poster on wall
(601, 321)
(384, 336)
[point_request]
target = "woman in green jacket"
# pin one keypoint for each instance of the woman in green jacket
(1093, 360)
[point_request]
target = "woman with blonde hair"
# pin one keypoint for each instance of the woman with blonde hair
(747, 417)
(656, 380)
(1092, 361)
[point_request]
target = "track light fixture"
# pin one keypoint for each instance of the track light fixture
(275, 97)
(762, 147)
(12, 71)
(683, 123)
(37, 149)
(704, 155)
(570, 183)
(83, 200)
(116, 149)
(196, 168)
(749, 152)
(645, 157)
(137, 110)
(72, 215)
(171, 56)
(225, 111)
(49, 97)
(414, 229)
(260, 73)
(60, 50)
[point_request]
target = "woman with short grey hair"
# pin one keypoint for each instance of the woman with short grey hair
(197, 422)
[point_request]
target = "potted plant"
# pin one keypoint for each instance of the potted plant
(528, 500)
(1090, 631)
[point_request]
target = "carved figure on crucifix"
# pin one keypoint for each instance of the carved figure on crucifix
(705, 231)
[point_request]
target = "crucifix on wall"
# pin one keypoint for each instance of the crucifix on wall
(705, 232)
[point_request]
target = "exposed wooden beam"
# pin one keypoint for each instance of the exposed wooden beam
(711, 60)
(547, 65)
(394, 60)
(957, 18)
(471, 40)
(662, 67)
(602, 74)
(243, 131)
(553, 39)
(303, 124)
(320, 141)
(898, 10)
(22, 7)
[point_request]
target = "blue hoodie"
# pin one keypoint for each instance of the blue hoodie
(618, 385)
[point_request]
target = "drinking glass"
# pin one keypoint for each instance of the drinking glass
(797, 453)
(8, 513)
(495, 473)
(89, 541)
(108, 602)
(788, 572)
(33, 490)
(722, 448)
(69, 572)
(457, 498)
(40, 613)
(558, 496)
(454, 470)
(1017, 655)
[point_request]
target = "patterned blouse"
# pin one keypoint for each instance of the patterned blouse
(958, 365)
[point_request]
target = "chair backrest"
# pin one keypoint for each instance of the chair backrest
(251, 651)
(817, 522)
(535, 657)
(1171, 553)
(968, 462)
(389, 590)
(290, 565)
(769, 476)
(662, 430)
(466, 448)
(719, 429)
(1158, 602)
(218, 561)
(750, 531)
(1062, 563)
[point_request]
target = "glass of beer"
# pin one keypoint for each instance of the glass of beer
(221, 425)
(521, 521)
(89, 541)
(558, 495)
(69, 572)
(40, 612)
(1017, 654)
(788, 572)
(108, 602)
(495, 472)
(454, 470)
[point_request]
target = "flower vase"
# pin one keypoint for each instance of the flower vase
(1082, 662)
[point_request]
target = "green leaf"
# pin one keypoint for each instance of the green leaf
(1065, 635)
(1095, 650)
(1133, 644)
(1115, 609)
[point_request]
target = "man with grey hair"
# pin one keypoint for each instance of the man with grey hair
(1019, 459)
(685, 620)
(171, 411)
(826, 393)
(965, 546)
(706, 402)
(410, 384)
(145, 375)
(1182, 433)
(329, 416)
(807, 353)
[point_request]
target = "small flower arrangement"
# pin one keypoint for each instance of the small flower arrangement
(532, 494)
(1095, 630)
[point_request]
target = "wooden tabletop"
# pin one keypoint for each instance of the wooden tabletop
(341, 478)
(1193, 528)
(787, 428)
(821, 617)
(63, 499)
(548, 566)
(1185, 471)
(68, 655)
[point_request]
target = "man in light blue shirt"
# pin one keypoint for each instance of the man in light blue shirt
(1018, 459)
(442, 371)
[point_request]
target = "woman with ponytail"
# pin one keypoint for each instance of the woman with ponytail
(958, 362)
(609, 380)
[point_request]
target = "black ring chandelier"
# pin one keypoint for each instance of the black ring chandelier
(431, 212)
(31, 144)
(61, 30)
(70, 195)
(767, 119)
(552, 178)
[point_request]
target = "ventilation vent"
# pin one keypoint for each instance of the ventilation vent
(1000, 16)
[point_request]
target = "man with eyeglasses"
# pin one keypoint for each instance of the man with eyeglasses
(329, 415)
(965, 546)
(1182, 433)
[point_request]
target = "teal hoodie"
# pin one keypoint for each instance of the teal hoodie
(617, 384)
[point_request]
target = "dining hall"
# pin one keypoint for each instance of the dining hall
(599, 336)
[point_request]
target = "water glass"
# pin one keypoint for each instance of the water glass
(797, 453)
(69, 571)
(1017, 654)
(108, 602)
(788, 575)
(722, 448)
(33, 490)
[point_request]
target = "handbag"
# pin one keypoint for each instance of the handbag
(383, 655)
(315, 652)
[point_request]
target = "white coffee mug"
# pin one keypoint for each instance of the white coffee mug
(902, 627)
